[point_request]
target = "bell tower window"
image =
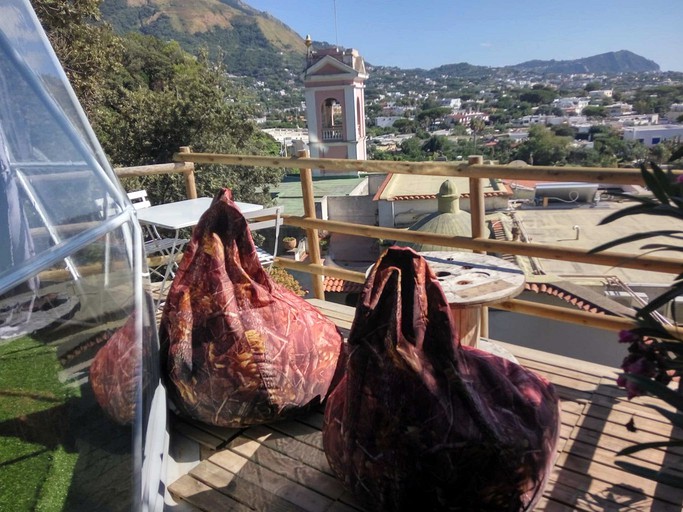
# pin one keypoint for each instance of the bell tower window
(332, 120)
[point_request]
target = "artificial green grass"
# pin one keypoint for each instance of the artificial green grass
(35, 466)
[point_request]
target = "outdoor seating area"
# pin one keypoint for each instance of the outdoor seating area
(150, 362)
(282, 466)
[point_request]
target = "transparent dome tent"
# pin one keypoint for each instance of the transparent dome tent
(82, 410)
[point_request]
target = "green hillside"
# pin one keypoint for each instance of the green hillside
(248, 41)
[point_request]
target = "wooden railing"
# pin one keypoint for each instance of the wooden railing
(476, 171)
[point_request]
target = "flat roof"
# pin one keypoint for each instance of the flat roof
(555, 226)
(407, 186)
(288, 193)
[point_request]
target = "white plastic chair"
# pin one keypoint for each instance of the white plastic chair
(155, 244)
(266, 258)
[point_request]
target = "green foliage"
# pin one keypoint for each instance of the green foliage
(405, 126)
(538, 96)
(657, 99)
(427, 117)
(163, 99)
(88, 51)
(438, 145)
(412, 149)
(543, 147)
(591, 111)
(236, 40)
(655, 352)
(284, 278)
(564, 130)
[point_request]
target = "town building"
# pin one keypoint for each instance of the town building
(653, 135)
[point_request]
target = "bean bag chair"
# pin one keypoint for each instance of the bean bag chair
(115, 373)
(237, 348)
(418, 422)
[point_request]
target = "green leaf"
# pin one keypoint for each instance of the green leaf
(654, 181)
(657, 389)
(650, 474)
(670, 294)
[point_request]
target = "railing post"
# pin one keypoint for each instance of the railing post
(477, 206)
(478, 213)
(313, 241)
(190, 187)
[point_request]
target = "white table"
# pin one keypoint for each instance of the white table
(471, 281)
(178, 215)
(184, 214)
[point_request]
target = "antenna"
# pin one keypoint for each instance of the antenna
(336, 33)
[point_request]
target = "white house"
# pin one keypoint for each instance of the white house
(652, 135)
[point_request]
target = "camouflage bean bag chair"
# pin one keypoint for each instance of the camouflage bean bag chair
(419, 422)
(237, 348)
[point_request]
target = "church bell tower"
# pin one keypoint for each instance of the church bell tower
(334, 82)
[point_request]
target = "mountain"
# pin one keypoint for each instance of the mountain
(249, 41)
(622, 61)
(254, 43)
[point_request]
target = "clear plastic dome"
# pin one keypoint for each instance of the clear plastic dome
(72, 284)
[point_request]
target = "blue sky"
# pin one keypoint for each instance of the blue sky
(430, 33)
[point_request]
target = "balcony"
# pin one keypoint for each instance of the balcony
(333, 133)
(283, 466)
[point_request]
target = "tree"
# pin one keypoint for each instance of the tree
(89, 51)
(404, 125)
(146, 98)
(591, 111)
(477, 126)
(167, 99)
(412, 148)
(543, 147)
(427, 117)
(438, 145)
(538, 96)
(592, 86)
(564, 130)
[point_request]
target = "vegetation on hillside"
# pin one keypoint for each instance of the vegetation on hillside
(246, 41)
(145, 98)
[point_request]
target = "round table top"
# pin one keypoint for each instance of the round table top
(471, 279)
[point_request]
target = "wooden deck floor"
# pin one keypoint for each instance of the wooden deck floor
(282, 466)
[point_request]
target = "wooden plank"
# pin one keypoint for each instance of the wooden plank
(200, 495)
(247, 466)
(652, 459)
(201, 436)
(613, 475)
(292, 447)
(561, 497)
(291, 468)
(301, 431)
(240, 489)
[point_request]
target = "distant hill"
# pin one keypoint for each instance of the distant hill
(622, 61)
(248, 41)
(254, 43)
